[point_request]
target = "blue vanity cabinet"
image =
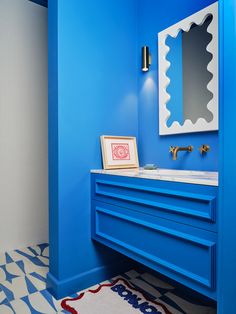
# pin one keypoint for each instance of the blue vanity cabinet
(170, 227)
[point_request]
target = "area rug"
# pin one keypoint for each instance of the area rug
(118, 297)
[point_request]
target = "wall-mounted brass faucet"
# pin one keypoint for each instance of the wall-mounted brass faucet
(204, 149)
(175, 150)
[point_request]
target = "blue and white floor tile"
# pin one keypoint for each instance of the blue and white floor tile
(23, 286)
(10, 271)
(5, 258)
(3, 298)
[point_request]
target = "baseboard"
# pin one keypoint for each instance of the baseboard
(62, 288)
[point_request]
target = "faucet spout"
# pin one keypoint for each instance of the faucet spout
(176, 149)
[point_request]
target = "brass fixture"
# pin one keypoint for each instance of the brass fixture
(146, 59)
(176, 149)
(204, 149)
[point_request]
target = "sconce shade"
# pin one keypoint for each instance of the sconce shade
(146, 59)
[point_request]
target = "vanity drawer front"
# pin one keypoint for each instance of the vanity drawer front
(191, 204)
(180, 252)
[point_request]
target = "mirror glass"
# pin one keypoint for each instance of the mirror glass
(188, 74)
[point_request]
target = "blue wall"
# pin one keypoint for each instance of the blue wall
(155, 16)
(92, 91)
(227, 216)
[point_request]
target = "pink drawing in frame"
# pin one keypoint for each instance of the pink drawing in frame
(120, 151)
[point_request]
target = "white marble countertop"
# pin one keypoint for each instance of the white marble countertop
(184, 176)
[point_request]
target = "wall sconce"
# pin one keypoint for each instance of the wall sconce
(146, 59)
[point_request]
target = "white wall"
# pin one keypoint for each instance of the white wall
(23, 124)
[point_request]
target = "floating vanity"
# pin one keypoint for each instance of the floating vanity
(164, 219)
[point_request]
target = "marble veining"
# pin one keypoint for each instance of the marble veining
(184, 176)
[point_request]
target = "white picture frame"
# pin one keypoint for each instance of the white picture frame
(201, 124)
(119, 152)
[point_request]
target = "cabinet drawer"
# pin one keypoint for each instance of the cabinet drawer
(195, 205)
(181, 252)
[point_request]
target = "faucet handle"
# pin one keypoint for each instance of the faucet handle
(204, 149)
(172, 149)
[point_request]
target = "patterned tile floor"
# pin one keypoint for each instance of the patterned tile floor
(23, 286)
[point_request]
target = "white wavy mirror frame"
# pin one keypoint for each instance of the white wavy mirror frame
(201, 124)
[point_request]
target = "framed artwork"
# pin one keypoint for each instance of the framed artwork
(119, 152)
